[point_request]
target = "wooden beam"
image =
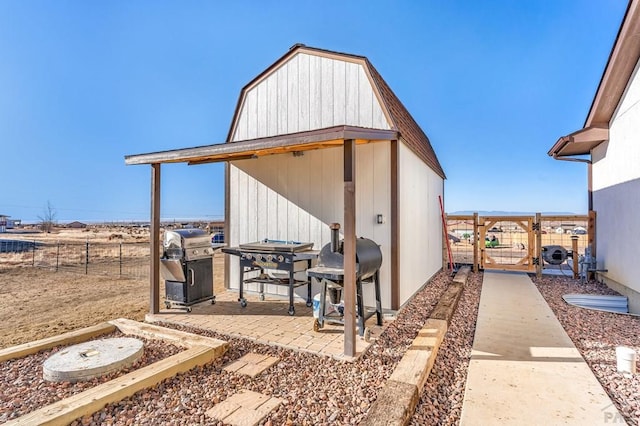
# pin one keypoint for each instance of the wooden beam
(538, 250)
(395, 228)
(564, 218)
(312, 139)
(227, 227)
(75, 336)
(154, 273)
(349, 247)
(94, 399)
(591, 232)
(476, 243)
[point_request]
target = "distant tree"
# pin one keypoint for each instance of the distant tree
(48, 218)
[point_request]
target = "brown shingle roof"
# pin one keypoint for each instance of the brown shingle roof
(409, 130)
(400, 118)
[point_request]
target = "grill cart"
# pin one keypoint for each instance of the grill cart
(187, 267)
(273, 255)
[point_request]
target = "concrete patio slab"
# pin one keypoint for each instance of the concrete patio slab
(268, 322)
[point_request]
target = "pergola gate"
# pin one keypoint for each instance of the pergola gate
(507, 243)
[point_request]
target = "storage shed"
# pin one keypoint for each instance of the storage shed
(319, 137)
(297, 195)
(611, 138)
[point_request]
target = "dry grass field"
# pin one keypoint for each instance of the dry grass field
(37, 303)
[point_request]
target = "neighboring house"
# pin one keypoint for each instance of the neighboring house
(611, 137)
(293, 128)
(76, 225)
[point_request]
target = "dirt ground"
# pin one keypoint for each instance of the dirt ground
(38, 303)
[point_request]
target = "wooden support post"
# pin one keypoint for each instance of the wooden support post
(154, 237)
(538, 251)
(591, 232)
(349, 247)
(476, 242)
(574, 259)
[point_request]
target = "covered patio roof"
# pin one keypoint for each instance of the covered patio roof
(346, 137)
(254, 148)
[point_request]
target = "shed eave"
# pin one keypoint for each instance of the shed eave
(252, 148)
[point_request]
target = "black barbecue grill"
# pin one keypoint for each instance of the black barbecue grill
(187, 267)
(330, 272)
(273, 255)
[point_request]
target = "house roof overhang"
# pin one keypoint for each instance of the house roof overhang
(254, 148)
(613, 83)
(580, 142)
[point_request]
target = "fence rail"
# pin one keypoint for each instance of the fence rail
(507, 239)
(112, 259)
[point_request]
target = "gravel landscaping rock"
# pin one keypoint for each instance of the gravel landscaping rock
(317, 390)
(443, 393)
(596, 335)
(320, 390)
(23, 389)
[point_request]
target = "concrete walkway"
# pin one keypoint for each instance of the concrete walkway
(524, 369)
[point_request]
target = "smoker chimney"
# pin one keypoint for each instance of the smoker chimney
(335, 237)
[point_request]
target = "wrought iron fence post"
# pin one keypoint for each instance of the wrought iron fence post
(121, 258)
(86, 259)
(33, 254)
(57, 255)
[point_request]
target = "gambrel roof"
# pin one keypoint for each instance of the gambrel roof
(392, 111)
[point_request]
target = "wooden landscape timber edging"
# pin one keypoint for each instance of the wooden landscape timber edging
(75, 336)
(88, 402)
(199, 351)
(397, 400)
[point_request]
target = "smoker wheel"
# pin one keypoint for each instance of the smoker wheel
(292, 310)
(261, 296)
(188, 309)
(316, 325)
(309, 303)
(213, 301)
(167, 304)
(243, 303)
(367, 334)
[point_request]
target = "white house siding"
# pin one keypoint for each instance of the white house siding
(314, 189)
(420, 223)
(309, 92)
(616, 185)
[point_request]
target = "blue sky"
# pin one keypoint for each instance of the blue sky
(82, 84)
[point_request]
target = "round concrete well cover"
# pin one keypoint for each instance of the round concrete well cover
(92, 359)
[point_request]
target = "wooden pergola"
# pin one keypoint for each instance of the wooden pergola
(346, 136)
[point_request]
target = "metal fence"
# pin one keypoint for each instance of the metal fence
(113, 259)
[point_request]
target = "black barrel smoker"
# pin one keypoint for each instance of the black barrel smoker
(330, 272)
(187, 267)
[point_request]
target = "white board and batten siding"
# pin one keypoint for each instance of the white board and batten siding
(313, 185)
(296, 198)
(616, 183)
(309, 92)
(420, 224)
